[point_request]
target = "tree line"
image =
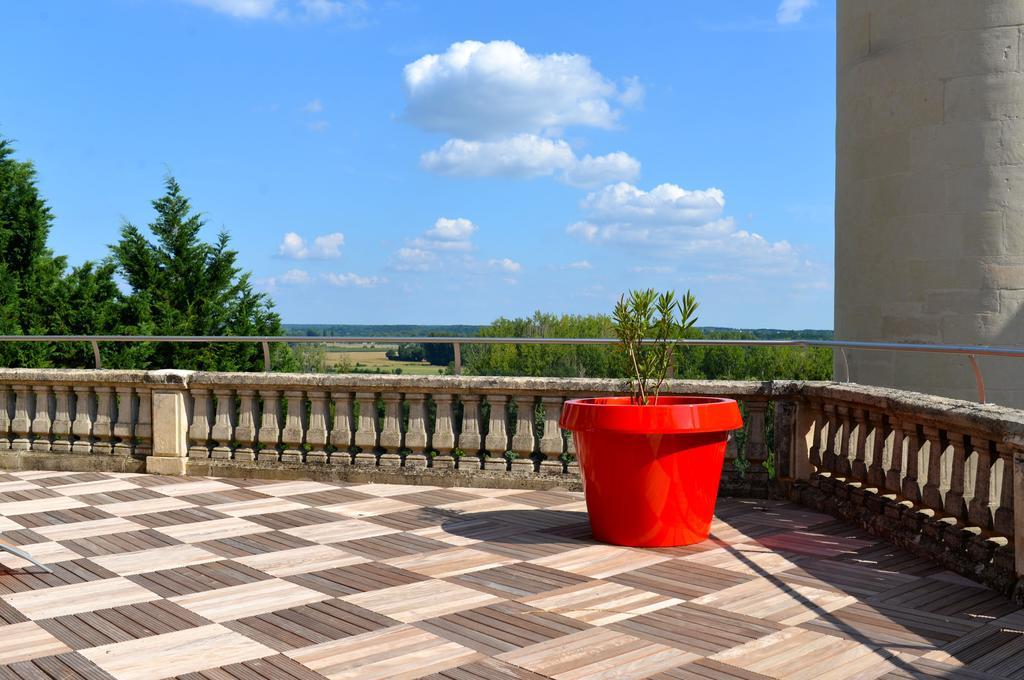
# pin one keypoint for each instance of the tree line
(159, 280)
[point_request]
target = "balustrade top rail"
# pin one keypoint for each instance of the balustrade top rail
(970, 351)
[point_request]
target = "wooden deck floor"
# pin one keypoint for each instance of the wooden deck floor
(209, 578)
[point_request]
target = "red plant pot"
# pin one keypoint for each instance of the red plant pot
(651, 473)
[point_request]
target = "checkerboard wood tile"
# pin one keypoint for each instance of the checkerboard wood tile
(209, 579)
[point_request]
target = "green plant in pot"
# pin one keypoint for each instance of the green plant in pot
(651, 463)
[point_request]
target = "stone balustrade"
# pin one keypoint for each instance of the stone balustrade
(936, 475)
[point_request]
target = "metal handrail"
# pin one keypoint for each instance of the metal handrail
(970, 351)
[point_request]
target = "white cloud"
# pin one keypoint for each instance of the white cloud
(526, 156)
(675, 222)
(243, 9)
(351, 279)
(579, 264)
(505, 265)
(489, 90)
(325, 247)
(314, 106)
(446, 229)
(590, 172)
(319, 126)
(283, 10)
(294, 277)
(521, 156)
(792, 11)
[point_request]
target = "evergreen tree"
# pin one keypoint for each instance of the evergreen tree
(181, 285)
(37, 294)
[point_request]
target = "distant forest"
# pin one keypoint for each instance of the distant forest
(313, 330)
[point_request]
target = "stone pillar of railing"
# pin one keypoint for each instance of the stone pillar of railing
(199, 429)
(443, 440)
(169, 429)
(61, 427)
(931, 494)
(341, 429)
(845, 427)
(245, 430)
(756, 450)
(123, 444)
(416, 434)
(366, 434)
(1015, 470)
(1006, 519)
(82, 426)
(469, 437)
(222, 430)
(41, 421)
(496, 442)
(953, 502)
(316, 430)
(979, 511)
(829, 450)
(784, 438)
(551, 442)
(391, 430)
(103, 425)
(896, 445)
(291, 436)
(859, 443)
(269, 434)
(5, 418)
(910, 488)
(524, 441)
(875, 443)
(21, 424)
(805, 440)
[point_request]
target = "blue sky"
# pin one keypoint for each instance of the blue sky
(449, 162)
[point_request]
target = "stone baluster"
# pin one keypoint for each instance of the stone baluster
(524, 441)
(82, 426)
(316, 431)
(391, 430)
(341, 429)
(366, 434)
(859, 443)
(551, 442)
(269, 434)
(144, 423)
(223, 429)
(875, 443)
(61, 427)
(245, 430)
(103, 425)
(291, 436)
(822, 434)
(21, 424)
(896, 447)
(953, 503)
(5, 418)
(469, 437)
(416, 435)
(830, 452)
(123, 424)
(805, 441)
(931, 495)
(910, 487)
(572, 466)
(1002, 520)
(199, 429)
(979, 512)
(41, 421)
(756, 450)
(496, 442)
(443, 440)
(842, 465)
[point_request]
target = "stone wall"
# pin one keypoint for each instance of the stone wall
(930, 189)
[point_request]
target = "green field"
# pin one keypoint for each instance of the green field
(370, 358)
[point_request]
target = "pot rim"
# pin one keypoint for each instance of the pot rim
(675, 414)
